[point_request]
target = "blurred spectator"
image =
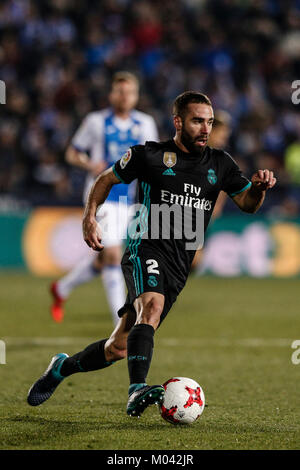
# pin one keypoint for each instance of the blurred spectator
(49, 178)
(8, 161)
(57, 58)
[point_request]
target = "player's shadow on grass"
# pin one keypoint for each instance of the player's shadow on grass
(86, 425)
(39, 430)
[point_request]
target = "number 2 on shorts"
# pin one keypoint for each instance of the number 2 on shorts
(153, 264)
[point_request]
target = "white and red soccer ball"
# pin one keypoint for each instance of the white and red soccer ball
(183, 401)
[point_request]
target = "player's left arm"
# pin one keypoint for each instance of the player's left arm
(252, 198)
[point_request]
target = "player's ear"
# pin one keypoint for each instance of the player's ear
(177, 123)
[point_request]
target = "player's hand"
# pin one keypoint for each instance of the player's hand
(263, 179)
(91, 233)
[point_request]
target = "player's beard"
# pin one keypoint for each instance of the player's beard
(190, 142)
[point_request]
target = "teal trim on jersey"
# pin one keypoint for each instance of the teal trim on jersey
(143, 226)
(117, 175)
(133, 252)
(134, 243)
(244, 189)
(145, 222)
(132, 259)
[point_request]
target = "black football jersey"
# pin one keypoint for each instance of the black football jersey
(187, 183)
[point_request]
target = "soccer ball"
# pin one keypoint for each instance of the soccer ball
(183, 401)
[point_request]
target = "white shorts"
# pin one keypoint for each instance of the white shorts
(113, 218)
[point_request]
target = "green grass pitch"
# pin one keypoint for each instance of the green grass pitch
(231, 335)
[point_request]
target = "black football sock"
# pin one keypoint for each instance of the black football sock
(91, 358)
(139, 353)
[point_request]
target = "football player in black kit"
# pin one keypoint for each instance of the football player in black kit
(184, 172)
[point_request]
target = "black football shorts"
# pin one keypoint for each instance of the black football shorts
(143, 272)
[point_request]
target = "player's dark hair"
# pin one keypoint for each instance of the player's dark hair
(183, 100)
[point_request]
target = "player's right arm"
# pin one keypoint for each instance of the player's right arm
(124, 170)
(97, 196)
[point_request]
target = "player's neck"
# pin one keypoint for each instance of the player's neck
(180, 144)
(121, 114)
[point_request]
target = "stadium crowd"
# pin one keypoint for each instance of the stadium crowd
(57, 58)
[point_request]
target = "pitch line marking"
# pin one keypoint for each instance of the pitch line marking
(168, 342)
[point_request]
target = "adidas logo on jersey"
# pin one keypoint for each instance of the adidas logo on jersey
(169, 172)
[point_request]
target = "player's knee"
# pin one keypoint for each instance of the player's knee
(120, 354)
(115, 351)
(151, 313)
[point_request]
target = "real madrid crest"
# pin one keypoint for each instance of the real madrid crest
(170, 159)
(211, 176)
